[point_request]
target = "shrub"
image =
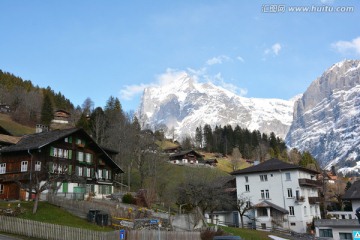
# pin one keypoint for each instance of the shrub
(209, 233)
(128, 198)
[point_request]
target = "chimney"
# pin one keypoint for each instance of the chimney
(41, 128)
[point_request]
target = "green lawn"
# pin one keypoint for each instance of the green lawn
(247, 234)
(52, 214)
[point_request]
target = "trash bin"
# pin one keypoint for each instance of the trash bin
(102, 219)
(91, 217)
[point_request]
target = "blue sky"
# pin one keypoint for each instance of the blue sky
(99, 49)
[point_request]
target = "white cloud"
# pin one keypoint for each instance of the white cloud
(275, 49)
(218, 80)
(130, 91)
(217, 60)
(164, 79)
(240, 59)
(345, 47)
(327, 1)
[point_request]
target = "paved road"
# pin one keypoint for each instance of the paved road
(5, 237)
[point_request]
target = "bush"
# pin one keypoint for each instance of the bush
(209, 233)
(128, 198)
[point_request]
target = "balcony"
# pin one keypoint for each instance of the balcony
(304, 182)
(299, 199)
(314, 200)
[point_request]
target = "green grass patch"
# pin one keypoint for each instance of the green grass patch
(52, 214)
(247, 234)
(13, 127)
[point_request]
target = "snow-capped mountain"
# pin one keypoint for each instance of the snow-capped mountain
(327, 118)
(185, 104)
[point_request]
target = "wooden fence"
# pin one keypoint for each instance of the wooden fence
(57, 232)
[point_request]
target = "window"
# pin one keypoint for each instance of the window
(263, 226)
(262, 212)
(60, 153)
(267, 195)
(325, 233)
(293, 224)
(80, 156)
(24, 166)
(262, 194)
(247, 188)
(291, 211)
(287, 176)
(100, 173)
(2, 168)
(248, 204)
(55, 152)
(80, 171)
(88, 157)
(344, 236)
(66, 153)
(37, 166)
(263, 178)
(289, 192)
(1, 189)
(246, 179)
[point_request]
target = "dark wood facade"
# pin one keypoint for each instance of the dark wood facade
(70, 154)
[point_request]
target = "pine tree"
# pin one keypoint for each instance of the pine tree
(47, 111)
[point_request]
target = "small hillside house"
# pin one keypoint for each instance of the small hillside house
(280, 194)
(79, 164)
(185, 157)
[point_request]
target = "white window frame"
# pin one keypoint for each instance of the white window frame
(2, 168)
(66, 153)
(262, 194)
(88, 157)
(287, 176)
(291, 211)
(24, 166)
(247, 188)
(100, 172)
(80, 171)
(290, 193)
(267, 194)
(55, 152)
(88, 172)
(263, 178)
(37, 166)
(80, 156)
(60, 153)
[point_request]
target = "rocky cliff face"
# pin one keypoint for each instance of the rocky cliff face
(186, 104)
(327, 118)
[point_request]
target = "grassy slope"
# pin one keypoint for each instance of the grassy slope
(15, 128)
(247, 234)
(52, 214)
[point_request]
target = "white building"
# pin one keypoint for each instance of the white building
(281, 195)
(343, 225)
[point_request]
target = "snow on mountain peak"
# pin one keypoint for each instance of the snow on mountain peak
(184, 103)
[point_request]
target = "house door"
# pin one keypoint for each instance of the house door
(236, 219)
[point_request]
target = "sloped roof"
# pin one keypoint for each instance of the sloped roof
(39, 140)
(271, 166)
(266, 203)
(184, 153)
(9, 139)
(353, 192)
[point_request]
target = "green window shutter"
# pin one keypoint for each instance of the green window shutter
(110, 174)
(91, 158)
(70, 139)
(65, 187)
(92, 172)
(69, 169)
(70, 154)
(51, 167)
(104, 173)
(52, 151)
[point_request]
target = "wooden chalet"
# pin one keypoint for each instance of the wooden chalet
(79, 165)
(185, 157)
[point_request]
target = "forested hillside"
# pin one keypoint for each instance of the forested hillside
(26, 100)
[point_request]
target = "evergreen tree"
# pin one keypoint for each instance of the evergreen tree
(199, 137)
(47, 111)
